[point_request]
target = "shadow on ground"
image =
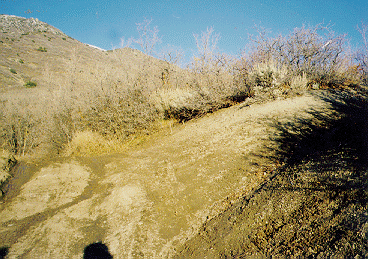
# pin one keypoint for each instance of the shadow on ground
(96, 251)
(314, 205)
(3, 252)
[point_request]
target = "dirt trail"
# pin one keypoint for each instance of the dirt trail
(146, 202)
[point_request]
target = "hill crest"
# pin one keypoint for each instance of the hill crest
(20, 25)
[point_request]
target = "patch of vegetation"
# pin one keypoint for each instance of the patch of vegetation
(13, 71)
(21, 61)
(42, 49)
(30, 84)
(121, 109)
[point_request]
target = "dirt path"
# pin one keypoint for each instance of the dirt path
(146, 202)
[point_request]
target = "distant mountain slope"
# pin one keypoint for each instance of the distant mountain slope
(32, 50)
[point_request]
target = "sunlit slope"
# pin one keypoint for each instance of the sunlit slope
(34, 51)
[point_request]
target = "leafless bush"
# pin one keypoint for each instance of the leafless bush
(362, 54)
(47, 125)
(148, 37)
(311, 51)
(119, 113)
(214, 82)
(204, 61)
(21, 127)
(172, 55)
(90, 143)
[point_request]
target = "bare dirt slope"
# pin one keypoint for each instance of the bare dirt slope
(152, 200)
(313, 206)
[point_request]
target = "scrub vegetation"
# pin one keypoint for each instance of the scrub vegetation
(279, 174)
(122, 94)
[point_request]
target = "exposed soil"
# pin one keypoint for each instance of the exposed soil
(314, 206)
(210, 188)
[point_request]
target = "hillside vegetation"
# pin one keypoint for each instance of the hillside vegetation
(282, 172)
(60, 96)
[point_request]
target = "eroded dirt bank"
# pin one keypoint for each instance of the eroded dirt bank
(146, 202)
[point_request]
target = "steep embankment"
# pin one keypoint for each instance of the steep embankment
(147, 201)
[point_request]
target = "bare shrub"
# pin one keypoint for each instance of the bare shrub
(148, 37)
(299, 84)
(214, 82)
(21, 131)
(362, 54)
(167, 99)
(314, 52)
(204, 61)
(28, 127)
(266, 76)
(118, 112)
(172, 55)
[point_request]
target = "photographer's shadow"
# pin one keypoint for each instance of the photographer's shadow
(96, 251)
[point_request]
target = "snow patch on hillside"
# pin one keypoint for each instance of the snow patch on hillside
(95, 47)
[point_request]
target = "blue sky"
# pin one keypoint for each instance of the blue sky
(104, 23)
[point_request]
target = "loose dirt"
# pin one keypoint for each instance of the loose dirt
(206, 189)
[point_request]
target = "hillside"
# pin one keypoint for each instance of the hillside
(41, 53)
(131, 154)
(53, 86)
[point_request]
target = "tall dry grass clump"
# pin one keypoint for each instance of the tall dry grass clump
(90, 143)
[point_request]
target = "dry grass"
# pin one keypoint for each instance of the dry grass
(90, 143)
